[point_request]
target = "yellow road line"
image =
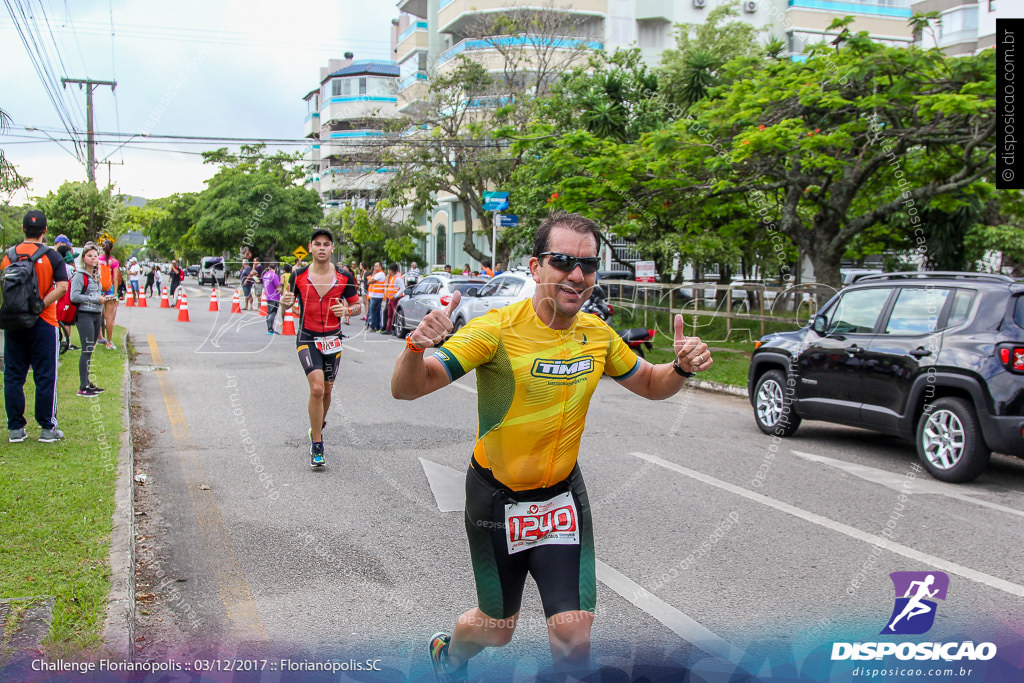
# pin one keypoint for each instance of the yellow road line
(231, 584)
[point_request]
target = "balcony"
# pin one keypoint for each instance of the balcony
(455, 15)
(357, 107)
(898, 9)
(353, 178)
(485, 52)
(349, 142)
(311, 155)
(311, 127)
(417, 8)
(413, 38)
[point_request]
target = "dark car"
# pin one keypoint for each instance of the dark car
(192, 270)
(937, 358)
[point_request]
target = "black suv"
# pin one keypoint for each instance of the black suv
(933, 357)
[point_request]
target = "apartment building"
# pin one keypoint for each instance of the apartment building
(344, 118)
(965, 26)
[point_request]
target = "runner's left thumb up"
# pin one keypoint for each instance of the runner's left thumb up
(680, 327)
(453, 304)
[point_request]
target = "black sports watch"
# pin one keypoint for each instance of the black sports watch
(680, 371)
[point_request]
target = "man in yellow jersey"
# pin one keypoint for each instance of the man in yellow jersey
(538, 363)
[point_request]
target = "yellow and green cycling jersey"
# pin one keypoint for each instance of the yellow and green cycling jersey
(534, 386)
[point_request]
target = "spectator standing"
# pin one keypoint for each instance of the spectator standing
(63, 246)
(394, 291)
(134, 275)
(150, 281)
(498, 270)
(110, 281)
(466, 270)
(447, 268)
(413, 276)
(257, 281)
(486, 268)
(246, 285)
(37, 346)
(272, 288)
(376, 287)
(86, 294)
(364, 292)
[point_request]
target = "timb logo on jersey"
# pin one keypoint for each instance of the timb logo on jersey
(563, 369)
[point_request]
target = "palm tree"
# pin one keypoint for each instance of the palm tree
(10, 180)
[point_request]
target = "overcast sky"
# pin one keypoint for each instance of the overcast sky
(189, 67)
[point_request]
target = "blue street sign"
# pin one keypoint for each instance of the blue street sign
(507, 220)
(495, 201)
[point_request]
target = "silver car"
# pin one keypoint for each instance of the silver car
(499, 291)
(432, 292)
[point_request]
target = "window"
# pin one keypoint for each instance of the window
(856, 312)
(508, 286)
(362, 85)
(490, 288)
(427, 286)
(917, 310)
(961, 307)
(341, 87)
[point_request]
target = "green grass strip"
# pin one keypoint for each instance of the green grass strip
(57, 502)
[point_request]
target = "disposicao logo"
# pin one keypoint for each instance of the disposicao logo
(916, 592)
(913, 614)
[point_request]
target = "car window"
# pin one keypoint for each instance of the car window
(464, 286)
(961, 307)
(1018, 312)
(510, 287)
(491, 287)
(916, 310)
(427, 286)
(857, 311)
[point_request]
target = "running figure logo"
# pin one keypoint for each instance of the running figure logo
(914, 611)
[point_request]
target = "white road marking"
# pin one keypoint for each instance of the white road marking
(449, 489)
(465, 387)
(839, 527)
(896, 482)
(679, 623)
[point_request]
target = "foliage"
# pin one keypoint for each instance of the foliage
(167, 231)
(369, 236)
(254, 200)
(83, 212)
(10, 180)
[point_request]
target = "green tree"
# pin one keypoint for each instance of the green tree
(167, 231)
(83, 212)
(254, 200)
(10, 180)
(369, 235)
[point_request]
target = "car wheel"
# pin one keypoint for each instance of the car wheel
(949, 441)
(459, 322)
(773, 407)
(399, 323)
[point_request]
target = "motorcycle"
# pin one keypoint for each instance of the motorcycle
(597, 305)
(637, 338)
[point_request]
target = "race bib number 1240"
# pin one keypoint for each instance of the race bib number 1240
(551, 522)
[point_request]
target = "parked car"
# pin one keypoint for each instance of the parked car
(937, 358)
(192, 270)
(431, 292)
(616, 290)
(500, 290)
(212, 270)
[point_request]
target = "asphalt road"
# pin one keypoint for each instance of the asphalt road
(712, 541)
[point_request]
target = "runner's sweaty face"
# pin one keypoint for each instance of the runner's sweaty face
(560, 295)
(321, 249)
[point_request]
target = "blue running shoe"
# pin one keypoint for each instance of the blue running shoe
(316, 454)
(438, 654)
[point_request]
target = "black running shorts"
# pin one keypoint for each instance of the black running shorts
(312, 359)
(564, 574)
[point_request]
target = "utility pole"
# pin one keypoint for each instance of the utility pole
(90, 164)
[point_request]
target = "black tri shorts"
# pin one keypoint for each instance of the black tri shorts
(313, 359)
(564, 573)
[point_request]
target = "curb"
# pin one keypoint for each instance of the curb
(119, 624)
(720, 388)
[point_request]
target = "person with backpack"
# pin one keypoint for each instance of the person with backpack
(63, 246)
(32, 279)
(86, 295)
(110, 281)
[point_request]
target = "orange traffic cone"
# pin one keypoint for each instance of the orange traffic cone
(236, 304)
(129, 299)
(213, 300)
(164, 301)
(183, 309)
(263, 305)
(288, 323)
(142, 299)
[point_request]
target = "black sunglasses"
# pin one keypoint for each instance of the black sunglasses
(567, 263)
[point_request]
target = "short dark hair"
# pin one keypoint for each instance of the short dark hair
(564, 219)
(393, 267)
(322, 231)
(63, 249)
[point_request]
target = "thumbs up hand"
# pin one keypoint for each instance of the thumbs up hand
(436, 325)
(691, 353)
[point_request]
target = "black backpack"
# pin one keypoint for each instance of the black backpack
(20, 303)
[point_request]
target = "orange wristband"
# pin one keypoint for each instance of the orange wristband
(412, 347)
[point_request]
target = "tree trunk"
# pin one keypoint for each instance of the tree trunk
(826, 272)
(467, 244)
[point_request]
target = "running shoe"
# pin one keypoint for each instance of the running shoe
(98, 390)
(16, 435)
(88, 392)
(316, 454)
(438, 654)
(111, 347)
(51, 435)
